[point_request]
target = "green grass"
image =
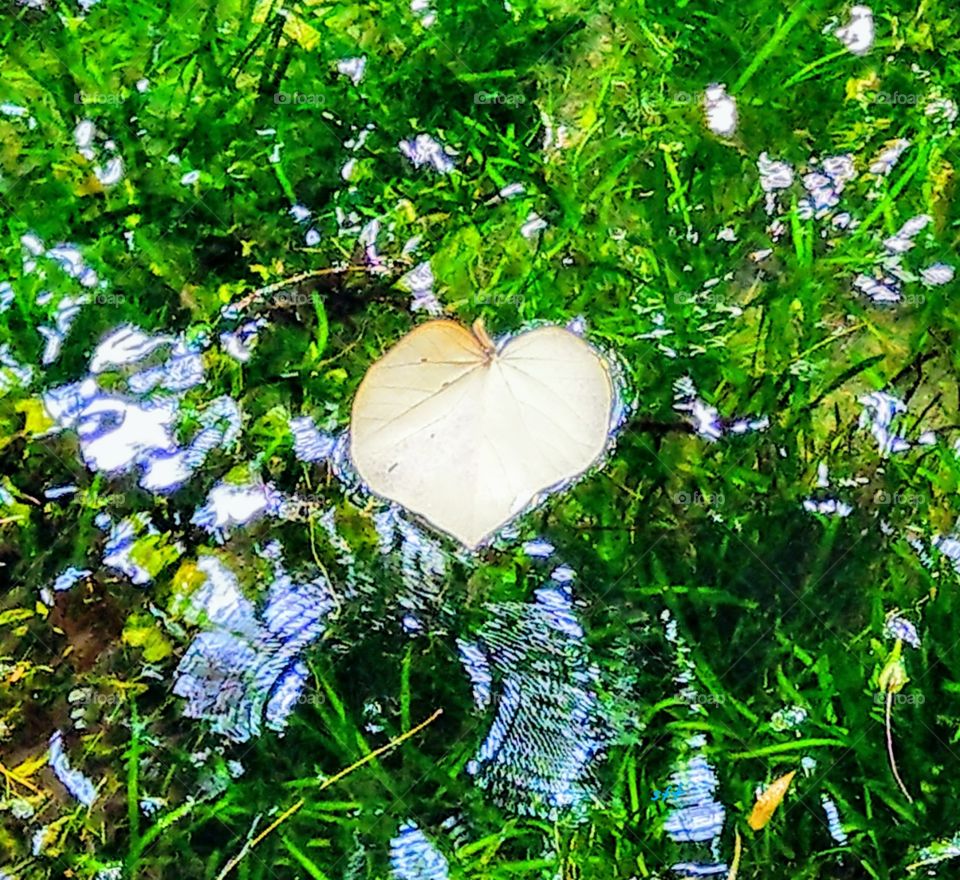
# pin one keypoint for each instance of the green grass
(779, 607)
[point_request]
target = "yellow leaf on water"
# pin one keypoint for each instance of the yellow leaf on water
(36, 420)
(29, 767)
(769, 800)
(15, 615)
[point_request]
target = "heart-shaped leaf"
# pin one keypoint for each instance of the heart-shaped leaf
(467, 433)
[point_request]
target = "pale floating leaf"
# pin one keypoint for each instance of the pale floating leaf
(467, 432)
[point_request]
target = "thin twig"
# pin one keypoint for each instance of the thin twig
(13, 777)
(735, 865)
(893, 760)
(286, 814)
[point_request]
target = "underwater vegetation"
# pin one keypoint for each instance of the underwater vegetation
(487, 441)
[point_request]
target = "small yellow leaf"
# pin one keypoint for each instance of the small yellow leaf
(769, 800)
(301, 33)
(260, 11)
(142, 631)
(860, 88)
(29, 767)
(15, 615)
(36, 420)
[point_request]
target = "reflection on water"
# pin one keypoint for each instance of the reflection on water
(414, 857)
(530, 665)
(244, 669)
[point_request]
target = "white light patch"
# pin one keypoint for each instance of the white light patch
(828, 507)
(424, 151)
(111, 173)
(944, 108)
(414, 857)
(352, 68)
(880, 412)
(231, 504)
(239, 344)
(937, 275)
(309, 443)
(419, 282)
(882, 291)
(80, 787)
(423, 11)
(534, 224)
(903, 241)
(858, 34)
(120, 432)
(885, 161)
(720, 109)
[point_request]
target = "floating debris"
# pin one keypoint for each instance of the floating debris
(530, 661)
(720, 109)
(414, 857)
(244, 671)
(858, 34)
(81, 788)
